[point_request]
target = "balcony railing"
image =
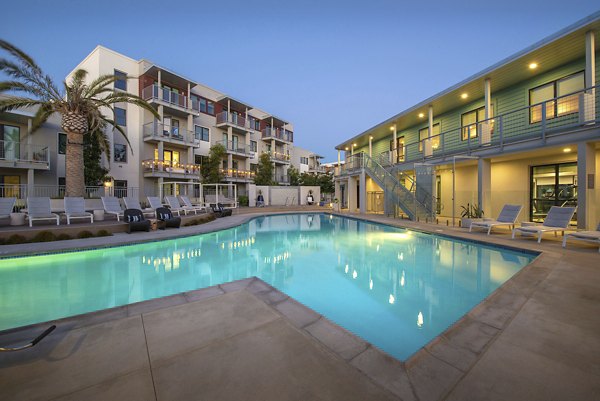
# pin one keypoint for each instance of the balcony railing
(163, 132)
(165, 94)
(278, 133)
(22, 191)
(282, 179)
(541, 121)
(23, 153)
(280, 157)
(172, 169)
(233, 119)
(238, 174)
(236, 147)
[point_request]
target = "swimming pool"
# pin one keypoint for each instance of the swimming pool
(396, 289)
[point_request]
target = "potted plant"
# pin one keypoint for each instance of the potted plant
(470, 213)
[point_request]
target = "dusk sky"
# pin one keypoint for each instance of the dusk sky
(333, 69)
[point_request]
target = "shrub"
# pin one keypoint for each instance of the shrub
(2, 241)
(103, 233)
(243, 199)
(85, 234)
(63, 237)
(15, 239)
(44, 236)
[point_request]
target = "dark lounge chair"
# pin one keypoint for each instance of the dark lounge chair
(219, 210)
(165, 216)
(136, 220)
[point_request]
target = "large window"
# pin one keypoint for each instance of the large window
(121, 82)
(551, 90)
(201, 133)
(435, 138)
(303, 160)
(62, 143)
(200, 159)
(470, 122)
(253, 146)
(399, 148)
(552, 185)
(10, 145)
(120, 153)
(203, 105)
(120, 116)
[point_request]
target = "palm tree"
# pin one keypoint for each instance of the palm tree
(80, 104)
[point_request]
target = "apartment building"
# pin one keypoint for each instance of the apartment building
(523, 131)
(155, 153)
(307, 161)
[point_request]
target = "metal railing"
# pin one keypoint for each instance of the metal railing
(161, 131)
(23, 152)
(278, 156)
(233, 118)
(536, 122)
(240, 174)
(278, 133)
(170, 168)
(236, 147)
(165, 94)
(22, 191)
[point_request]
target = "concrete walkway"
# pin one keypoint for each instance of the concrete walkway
(536, 338)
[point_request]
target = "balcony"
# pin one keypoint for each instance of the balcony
(165, 96)
(562, 120)
(235, 175)
(279, 134)
(23, 155)
(156, 131)
(237, 148)
(169, 169)
(316, 169)
(237, 121)
(278, 157)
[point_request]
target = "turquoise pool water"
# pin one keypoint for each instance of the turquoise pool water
(397, 289)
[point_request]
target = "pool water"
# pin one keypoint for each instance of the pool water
(396, 289)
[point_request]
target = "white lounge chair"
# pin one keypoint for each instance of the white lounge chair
(558, 219)
(590, 236)
(112, 206)
(6, 207)
(154, 202)
(75, 209)
(175, 206)
(38, 208)
(507, 217)
(187, 204)
(134, 203)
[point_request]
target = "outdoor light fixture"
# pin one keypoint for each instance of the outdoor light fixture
(421, 115)
(566, 150)
(346, 148)
(533, 66)
(370, 136)
(464, 96)
(354, 145)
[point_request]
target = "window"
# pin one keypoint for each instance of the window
(62, 143)
(469, 123)
(203, 105)
(120, 188)
(435, 139)
(120, 116)
(11, 148)
(303, 160)
(210, 107)
(121, 82)
(548, 92)
(254, 167)
(200, 159)
(399, 148)
(253, 146)
(120, 153)
(201, 133)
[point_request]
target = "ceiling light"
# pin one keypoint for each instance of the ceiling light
(464, 96)
(346, 148)
(421, 115)
(370, 136)
(353, 144)
(393, 127)
(533, 66)
(566, 150)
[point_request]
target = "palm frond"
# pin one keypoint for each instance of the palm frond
(19, 55)
(124, 97)
(118, 128)
(41, 116)
(12, 103)
(17, 86)
(100, 85)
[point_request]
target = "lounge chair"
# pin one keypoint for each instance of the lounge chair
(39, 209)
(219, 210)
(112, 206)
(136, 220)
(134, 203)
(590, 236)
(507, 217)
(75, 209)
(187, 204)
(6, 207)
(154, 202)
(165, 215)
(175, 206)
(558, 219)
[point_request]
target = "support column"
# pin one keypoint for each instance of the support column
(337, 192)
(487, 90)
(29, 132)
(191, 137)
(352, 206)
(430, 117)
(484, 186)
(371, 146)
(189, 96)
(363, 193)
(394, 145)
(161, 150)
(30, 181)
(586, 177)
(590, 59)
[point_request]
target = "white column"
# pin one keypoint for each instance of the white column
(352, 206)
(484, 185)
(161, 150)
(430, 128)
(370, 146)
(590, 59)
(586, 177)
(338, 192)
(394, 146)
(362, 193)
(30, 181)
(487, 90)
(158, 81)
(188, 103)
(29, 132)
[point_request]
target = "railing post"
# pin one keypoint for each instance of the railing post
(500, 132)
(543, 122)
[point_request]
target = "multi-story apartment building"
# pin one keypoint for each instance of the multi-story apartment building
(523, 131)
(194, 117)
(307, 161)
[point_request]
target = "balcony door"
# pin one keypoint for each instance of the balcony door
(10, 146)
(397, 152)
(552, 185)
(234, 142)
(9, 186)
(225, 139)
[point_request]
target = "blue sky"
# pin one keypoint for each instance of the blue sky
(333, 68)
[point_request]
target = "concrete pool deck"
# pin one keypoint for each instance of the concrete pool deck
(537, 337)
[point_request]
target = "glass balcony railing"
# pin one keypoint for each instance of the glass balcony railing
(280, 157)
(278, 133)
(236, 147)
(20, 152)
(165, 94)
(238, 174)
(170, 168)
(161, 132)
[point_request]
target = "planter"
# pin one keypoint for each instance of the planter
(465, 222)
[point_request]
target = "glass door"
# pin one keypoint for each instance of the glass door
(234, 142)
(552, 185)
(10, 136)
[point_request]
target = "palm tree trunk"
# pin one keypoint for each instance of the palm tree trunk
(74, 171)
